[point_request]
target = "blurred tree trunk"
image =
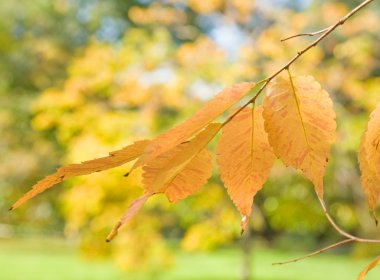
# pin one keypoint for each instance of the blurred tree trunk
(246, 250)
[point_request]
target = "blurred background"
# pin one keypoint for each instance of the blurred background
(81, 78)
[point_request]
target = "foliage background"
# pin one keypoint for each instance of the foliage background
(81, 78)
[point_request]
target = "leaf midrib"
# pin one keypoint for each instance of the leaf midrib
(299, 110)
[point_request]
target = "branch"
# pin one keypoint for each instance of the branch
(325, 32)
(316, 252)
(306, 34)
(341, 231)
(332, 27)
(349, 238)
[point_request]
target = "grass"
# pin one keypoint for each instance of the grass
(53, 259)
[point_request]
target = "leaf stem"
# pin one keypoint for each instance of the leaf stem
(341, 231)
(306, 34)
(348, 240)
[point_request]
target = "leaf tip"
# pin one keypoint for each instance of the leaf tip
(375, 217)
(113, 232)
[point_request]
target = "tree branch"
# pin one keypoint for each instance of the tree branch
(341, 231)
(350, 238)
(325, 32)
(306, 34)
(332, 27)
(316, 252)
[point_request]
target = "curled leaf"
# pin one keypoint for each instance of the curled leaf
(115, 158)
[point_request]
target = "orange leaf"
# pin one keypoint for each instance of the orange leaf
(115, 158)
(182, 170)
(369, 267)
(245, 158)
(132, 210)
(367, 156)
(301, 126)
(199, 120)
(372, 141)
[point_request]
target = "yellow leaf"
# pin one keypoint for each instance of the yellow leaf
(372, 141)
(199, 120)
(115, 158)
(182, 170)
(369, 267)
(369, 160)
(301, 126)
(244, 158)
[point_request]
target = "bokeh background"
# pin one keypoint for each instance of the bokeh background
(81, 78)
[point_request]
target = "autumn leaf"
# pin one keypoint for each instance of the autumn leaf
(115, 158)
(301, 126)
(371, 141)
(171, 138)
(369, 178)
(244, 158)
(176, 173)
(182, 170)
(369, 267)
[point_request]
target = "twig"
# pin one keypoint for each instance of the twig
(316, 252)
(350, 238)
(306, 34)
(341, 231)
(325, 32)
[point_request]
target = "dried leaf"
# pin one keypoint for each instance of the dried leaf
(301, 126)
(199, 120)
(244, 158)
(132, 210)
(115, 158)
(182, 170)
(369, 267)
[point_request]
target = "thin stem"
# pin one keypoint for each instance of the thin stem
(349, 238)
(316, 252)
(306, 34)
(341, 231)
(320, 38)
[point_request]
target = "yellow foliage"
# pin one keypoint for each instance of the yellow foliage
(204, 7)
